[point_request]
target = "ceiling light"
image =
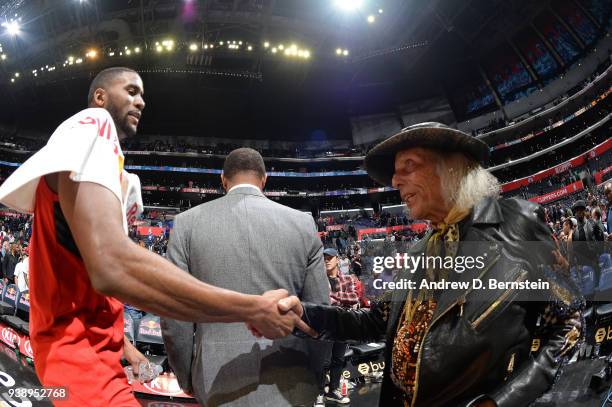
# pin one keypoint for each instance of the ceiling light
(128, 52)
(12, 79)
(3, 57)
(111, 54)
(12, 27)
(349, 5)
(266, 44)
(250, 48)
(137, 50)
(193, 47)
(79, 60)
(345, 52)
(281, 47)
(159, 48)
(306, 54)
(274, 50)
(380, 11)
(338, 51)
(16, 74)
(371, 19)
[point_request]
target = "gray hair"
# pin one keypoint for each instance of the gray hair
(464, 182)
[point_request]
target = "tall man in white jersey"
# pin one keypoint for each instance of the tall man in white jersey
(83, 266)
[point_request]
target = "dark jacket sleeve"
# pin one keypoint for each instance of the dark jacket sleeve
(563, 313)
(338, 324)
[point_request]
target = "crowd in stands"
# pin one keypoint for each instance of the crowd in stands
(15, 232)
(497, 123)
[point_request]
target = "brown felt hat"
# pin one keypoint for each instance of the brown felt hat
(380, 160)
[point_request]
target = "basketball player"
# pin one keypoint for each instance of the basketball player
(83, 266)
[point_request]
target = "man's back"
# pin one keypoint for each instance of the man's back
(247, 243)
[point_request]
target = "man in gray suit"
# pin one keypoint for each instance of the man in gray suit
(247, 243)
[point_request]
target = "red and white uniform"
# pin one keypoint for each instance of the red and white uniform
(76, 333)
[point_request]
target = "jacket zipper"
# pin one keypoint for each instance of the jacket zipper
(495, 304)
(460, 301)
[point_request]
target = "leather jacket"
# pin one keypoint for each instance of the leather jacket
(465, 357)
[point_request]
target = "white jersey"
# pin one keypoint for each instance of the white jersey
(87, 146)
(22, 274)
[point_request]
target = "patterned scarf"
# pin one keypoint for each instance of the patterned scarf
(447, 233)
(418, 314)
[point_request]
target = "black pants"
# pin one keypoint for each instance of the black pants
(334, 361)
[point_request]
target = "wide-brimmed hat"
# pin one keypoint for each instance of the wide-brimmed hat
(578, 204)
(380, 161)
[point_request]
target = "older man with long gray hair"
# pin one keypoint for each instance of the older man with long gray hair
(464, 346)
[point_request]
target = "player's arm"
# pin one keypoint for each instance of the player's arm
(119, 268)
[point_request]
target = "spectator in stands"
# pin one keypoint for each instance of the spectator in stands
(596, 218)
(22, 272)
(79, 194)
(248, 243)
(608, 194)
(585, 251)
(10, 260)
(439, 174)
(344, 264)
(134, 313)
(342, 294)
(356, 265)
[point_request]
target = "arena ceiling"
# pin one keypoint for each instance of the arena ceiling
(343, 63)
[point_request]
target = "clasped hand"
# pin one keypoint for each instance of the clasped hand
(277, 315)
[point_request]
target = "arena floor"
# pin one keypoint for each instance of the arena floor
(15, 373)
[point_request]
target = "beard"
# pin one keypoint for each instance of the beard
(124, 129)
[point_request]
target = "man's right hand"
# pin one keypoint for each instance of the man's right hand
(271, 321)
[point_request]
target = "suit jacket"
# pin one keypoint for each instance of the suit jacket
(250, 244)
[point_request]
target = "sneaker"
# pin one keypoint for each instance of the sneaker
(337, 397)
(320, 401)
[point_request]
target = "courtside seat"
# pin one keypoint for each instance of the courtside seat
(604, 311)
(149, 330)
(588, 314)
(4, 307)
(8, 305)
(367, 349)
(20, 320)
(605, 261)
(587, 278)
(605, 280)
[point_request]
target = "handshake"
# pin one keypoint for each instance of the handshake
(276, 315)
